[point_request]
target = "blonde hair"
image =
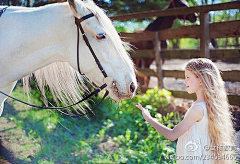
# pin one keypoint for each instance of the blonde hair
(220, 127)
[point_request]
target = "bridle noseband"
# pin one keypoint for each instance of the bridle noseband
(79, 26)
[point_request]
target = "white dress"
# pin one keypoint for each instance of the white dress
(193, 145)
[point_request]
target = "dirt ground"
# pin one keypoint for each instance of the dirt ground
(6, 156)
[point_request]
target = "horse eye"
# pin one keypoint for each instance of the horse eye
(101, 36)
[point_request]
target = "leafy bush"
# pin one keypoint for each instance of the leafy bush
(139, 140)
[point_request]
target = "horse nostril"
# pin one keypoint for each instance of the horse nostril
(132, 87)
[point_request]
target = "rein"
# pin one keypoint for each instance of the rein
(79, 26)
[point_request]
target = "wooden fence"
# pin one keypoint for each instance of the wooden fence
(204, 32)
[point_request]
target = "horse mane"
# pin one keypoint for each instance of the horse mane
(65, 83)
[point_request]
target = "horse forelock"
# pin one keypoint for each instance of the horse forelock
(111, 32)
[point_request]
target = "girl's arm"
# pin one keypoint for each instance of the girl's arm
(193, 116)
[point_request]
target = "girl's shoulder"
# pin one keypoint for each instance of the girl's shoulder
(198, 108)
(197, 105)
(202, 104)
(199, 102)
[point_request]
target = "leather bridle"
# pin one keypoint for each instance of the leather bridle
(2, 11)
(79, 27)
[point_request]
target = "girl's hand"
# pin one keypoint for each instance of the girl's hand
(146, 115)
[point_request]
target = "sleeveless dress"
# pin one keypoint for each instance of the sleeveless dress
(193, 145)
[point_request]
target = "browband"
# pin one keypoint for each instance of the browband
(85, 17)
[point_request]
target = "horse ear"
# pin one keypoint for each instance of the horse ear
(73, 7)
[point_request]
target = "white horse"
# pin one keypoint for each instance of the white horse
(43, 41)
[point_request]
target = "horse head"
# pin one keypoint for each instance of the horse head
(183, 3)
(109, 49)
(164, 22)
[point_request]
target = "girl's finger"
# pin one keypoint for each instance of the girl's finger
(139, 107)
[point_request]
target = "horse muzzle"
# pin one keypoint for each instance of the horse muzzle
(119, 93)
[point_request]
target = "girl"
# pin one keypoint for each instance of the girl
(206, 133)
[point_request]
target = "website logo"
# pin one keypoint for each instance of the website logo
(192, 146)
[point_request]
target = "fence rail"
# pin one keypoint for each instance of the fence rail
(229, 55)
(231, 75)
(233, 99)
(217, 30)
(178, 11)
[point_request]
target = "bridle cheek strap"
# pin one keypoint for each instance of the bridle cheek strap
(79, 27)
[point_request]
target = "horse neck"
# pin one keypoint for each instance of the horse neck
(38, 37)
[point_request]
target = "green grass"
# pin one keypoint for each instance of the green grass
(47, 137)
